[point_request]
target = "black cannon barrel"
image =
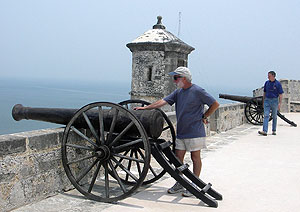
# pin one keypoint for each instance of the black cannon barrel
(243, 99)
(152, 120)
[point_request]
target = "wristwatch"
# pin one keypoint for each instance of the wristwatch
(203, 117)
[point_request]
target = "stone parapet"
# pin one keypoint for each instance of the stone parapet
(295, 106)
(31, 167)
(227, 116)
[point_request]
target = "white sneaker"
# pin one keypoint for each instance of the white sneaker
(176, 188)
(186, 193)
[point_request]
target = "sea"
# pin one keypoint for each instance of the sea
(61, 94)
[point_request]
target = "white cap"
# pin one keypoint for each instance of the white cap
(182, 71)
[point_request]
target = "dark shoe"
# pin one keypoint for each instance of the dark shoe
(262, 133)
(274, 133)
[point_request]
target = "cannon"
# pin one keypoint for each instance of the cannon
(106, 149)
(254, 110)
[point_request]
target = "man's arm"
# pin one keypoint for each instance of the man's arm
(154, 105)
(212, 108)
(280, 100)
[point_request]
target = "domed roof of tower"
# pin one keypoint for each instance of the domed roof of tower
(158, 35)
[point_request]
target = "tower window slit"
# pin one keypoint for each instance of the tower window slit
(149, 74)
(181, 62)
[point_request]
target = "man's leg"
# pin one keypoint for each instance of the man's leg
(274, 107)
(197, 163)
(266, 115)
(180, 154)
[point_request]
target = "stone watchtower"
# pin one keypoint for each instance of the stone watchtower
(154, 54)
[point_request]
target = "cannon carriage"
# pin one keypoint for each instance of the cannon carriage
(106, 149)
(254, 110)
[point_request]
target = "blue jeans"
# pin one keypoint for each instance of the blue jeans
(270, 104)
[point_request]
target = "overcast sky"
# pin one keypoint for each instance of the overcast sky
(236, 41)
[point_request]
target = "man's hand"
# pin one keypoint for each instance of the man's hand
(279, 107)
(205, 120)
(139, 108)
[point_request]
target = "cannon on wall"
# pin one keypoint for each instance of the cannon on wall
(254, 110)
(106, 149)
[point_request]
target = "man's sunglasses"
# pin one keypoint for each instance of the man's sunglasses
(176, 77)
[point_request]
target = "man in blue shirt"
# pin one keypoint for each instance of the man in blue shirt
(189, 102)
(272, 90)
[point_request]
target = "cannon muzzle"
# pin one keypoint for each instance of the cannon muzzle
(152, 120)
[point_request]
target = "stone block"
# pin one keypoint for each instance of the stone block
(12, 195)
(47, 161)
(17, 167)
(43, 141)
(10, 144)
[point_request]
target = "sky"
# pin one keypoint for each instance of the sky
(236, 42)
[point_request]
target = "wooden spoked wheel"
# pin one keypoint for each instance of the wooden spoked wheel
(156, 171)
(254, 111)
(97, 160)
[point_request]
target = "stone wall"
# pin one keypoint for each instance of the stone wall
(31, 167)
(227, 116)
(294, 87)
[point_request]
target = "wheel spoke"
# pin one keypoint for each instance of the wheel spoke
(137, 163)
(86, 171)
(91, 127)
(152, 170)
(117, 176)
(106, 180)
(253, 113)
(80, 147)
(129, 165)
(124, 146)
(84, 136)
(128, 158)
(150, 167)
(112, 126)
(254, 117)
(126, 170)
(81, 159)
(94, 177)
(121, 159)
(168, 127)
(101, 125)
(121, 134)
(261, 118)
